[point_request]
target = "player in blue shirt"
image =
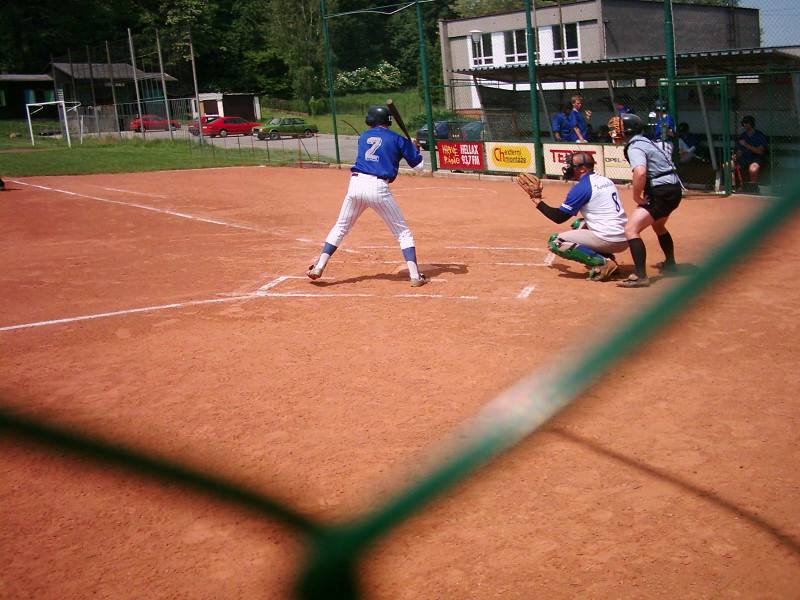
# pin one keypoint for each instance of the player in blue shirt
(379, 153)
(559, 124)
(577, 120)
(751, 151)
(664, 127)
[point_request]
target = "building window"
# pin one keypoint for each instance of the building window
(516, 46)
(571, 33)
(482, 51)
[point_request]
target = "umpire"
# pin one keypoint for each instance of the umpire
(657, 191)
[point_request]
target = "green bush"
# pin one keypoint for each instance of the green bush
(317, 106)
(382, 76)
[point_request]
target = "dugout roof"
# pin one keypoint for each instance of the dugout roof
(741, 61)
(120, 71)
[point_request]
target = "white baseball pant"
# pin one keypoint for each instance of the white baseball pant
(367, 191)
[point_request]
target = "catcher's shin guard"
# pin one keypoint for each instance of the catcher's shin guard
(573, 251)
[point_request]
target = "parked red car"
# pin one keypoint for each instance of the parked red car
(152, 123)
(223, 126)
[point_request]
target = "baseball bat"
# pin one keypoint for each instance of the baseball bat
(396, 116)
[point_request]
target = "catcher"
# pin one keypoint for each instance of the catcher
(595, 238)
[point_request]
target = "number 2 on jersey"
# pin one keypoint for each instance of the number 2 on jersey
(374, 144)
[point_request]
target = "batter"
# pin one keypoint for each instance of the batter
(379, 152)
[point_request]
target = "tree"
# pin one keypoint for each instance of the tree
(294, 26)
(476, 8)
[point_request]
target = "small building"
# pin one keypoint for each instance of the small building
(17, 90)
(584, 31)
(221, 104)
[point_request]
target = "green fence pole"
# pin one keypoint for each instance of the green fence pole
(423, 58)
(669, 53)
(725, 103)
(329, 68)
(531, 44)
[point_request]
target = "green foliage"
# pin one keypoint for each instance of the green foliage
(317, 106)
(475, 8)
(382, 76)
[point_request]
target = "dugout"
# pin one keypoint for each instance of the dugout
(763, 82)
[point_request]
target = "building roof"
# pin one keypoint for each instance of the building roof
(740, 61)
(24, 77)
(120, 71)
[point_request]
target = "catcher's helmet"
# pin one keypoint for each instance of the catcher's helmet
(631, 124)
(574, 160)
(378, 115)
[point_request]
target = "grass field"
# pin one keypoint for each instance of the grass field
(112, 155)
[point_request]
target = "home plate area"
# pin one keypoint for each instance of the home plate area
(496, 273)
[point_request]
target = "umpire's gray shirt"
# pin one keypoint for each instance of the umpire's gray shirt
(643, 152)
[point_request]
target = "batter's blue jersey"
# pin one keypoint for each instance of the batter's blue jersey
(380, 150)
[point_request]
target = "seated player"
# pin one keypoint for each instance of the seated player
(602, 230)
(687, 144)
(751, 152)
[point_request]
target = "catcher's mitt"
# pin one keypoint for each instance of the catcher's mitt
(615, 127)
(531, 184)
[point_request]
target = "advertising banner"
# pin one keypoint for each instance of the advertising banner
(616, 167)
(554, 155)
(509, 156)
(460, 155)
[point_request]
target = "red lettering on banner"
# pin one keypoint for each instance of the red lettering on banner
(559, 155)
(460, 155)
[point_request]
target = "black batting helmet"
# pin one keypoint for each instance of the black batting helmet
(631, 124)
(378, 115)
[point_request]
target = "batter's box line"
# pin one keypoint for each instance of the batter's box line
(265, 290)
(262, 292)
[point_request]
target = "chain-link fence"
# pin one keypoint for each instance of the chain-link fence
(144, 85)
(599, 51)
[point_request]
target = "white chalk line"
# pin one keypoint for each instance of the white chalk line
(164, 211)
(526, 291)
(493, 248)
(128, 311)
(446, 188)
(262, 292)
(111, 189)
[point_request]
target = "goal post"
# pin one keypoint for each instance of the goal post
(62, 106)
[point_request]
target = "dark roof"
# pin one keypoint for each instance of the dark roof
(120, 71)
(24, 77)
(740, 61)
